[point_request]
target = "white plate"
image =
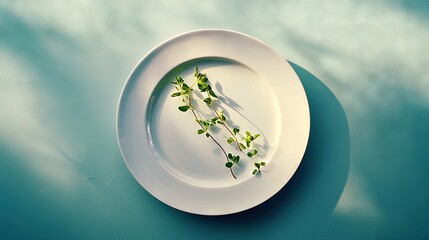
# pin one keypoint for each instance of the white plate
(259, 91)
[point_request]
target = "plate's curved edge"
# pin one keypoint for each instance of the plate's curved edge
(307, 137)
(308, 125)
(135, 70)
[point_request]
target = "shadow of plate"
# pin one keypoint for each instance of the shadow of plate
(309, 198)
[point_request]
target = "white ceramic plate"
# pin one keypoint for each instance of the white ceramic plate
(259, 92)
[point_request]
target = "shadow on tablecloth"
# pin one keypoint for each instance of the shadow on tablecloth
(313, 192)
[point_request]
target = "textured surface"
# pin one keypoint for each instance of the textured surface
(366, 169)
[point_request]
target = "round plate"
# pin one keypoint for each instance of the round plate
(258, 91)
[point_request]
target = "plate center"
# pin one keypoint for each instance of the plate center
(248, 103)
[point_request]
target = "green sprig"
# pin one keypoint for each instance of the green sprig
(205, 87)
(258, 166)
(184, 91)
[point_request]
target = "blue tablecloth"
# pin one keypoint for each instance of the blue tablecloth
(364, 66)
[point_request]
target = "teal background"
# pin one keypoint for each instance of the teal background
(365, 173)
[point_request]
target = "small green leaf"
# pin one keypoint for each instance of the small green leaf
(185, 87)
(176, 94)
(263, 163)
(242, 146)
(248, 138)
(229, 164)
(208, 100)
(256, 136)
(248, 133)
(255, 151)
(184, 108)
(204, 79)
(257, 165)
(179, 80)
(249, 154)
(211, 93)
(206, 123)
(230, 156)
(222, 116)
(230, 140)
(235, 131)
(254, 171)
(202, 86)
(201, 131)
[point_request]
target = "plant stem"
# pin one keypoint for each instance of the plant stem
(224, 124)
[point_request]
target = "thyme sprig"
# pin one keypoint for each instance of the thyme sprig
(205, 87)
(185, 92)
(253, 151)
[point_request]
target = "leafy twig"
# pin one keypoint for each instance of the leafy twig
(253, 151)
(204, 86)
(185, 92)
